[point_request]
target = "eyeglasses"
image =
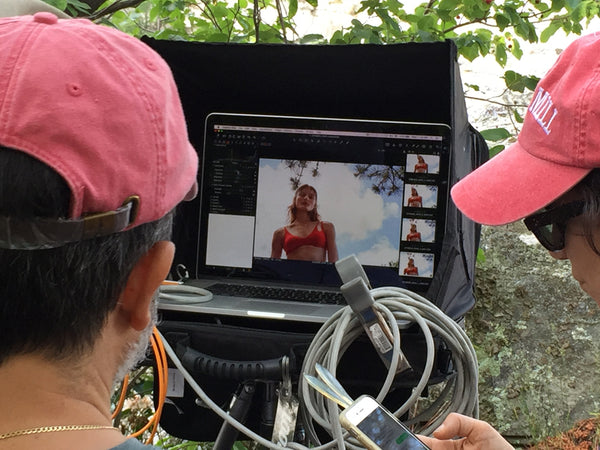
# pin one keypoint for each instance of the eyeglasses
(549, 226)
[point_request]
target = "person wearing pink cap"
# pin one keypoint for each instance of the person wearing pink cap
(550, 178)
(94, 158)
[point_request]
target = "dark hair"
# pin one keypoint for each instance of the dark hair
(55, 302)
(589, 188)
(312, 215)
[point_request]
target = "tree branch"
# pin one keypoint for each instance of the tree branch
(281, 21)
(112, 8)
(507, 105)
(209, 14)
(256, 20)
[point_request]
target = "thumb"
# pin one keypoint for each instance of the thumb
(454, 425)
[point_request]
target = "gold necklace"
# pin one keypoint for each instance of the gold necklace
(55, 428)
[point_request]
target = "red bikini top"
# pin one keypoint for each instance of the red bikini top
(316, 238)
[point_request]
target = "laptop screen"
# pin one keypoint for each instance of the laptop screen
(378, 190)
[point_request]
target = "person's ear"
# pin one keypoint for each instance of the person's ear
(143, 281)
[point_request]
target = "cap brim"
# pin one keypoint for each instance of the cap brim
(513, 185)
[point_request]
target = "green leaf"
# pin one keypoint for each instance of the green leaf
(495, 134)
(386, 19)
(470, 52)
(80, 6)
(516, 49)
(447, 5)
(154, 13)
(517, 116)
(313, 3)
(501, 54)
(514, 81)
(517, 82)
(338, 38)
(311, 38)
(480, 256)
(531, 82)
(293, 8)
(60, 4)
(495, 150)
(217, 37)
(357, 23)
(502, 20)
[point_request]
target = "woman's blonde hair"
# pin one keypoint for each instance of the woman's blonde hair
(313, 215)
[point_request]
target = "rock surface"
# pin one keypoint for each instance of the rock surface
(537, 338)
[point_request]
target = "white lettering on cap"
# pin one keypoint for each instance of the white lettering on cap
(543, 110)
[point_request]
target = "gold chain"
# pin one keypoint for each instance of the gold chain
(53, 429)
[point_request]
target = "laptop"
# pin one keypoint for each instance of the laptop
(381, 187)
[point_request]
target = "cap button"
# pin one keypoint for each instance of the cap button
(45, 17)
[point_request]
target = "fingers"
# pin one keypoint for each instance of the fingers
(476, 434)
(436, 444)
(458, 425)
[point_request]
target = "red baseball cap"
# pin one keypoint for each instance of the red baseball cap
(102, 109)
(558, 145)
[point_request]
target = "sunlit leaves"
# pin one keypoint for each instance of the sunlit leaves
(495, 134)
(479, 27)
(517, 82)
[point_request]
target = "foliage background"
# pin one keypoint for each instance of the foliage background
(480, 28)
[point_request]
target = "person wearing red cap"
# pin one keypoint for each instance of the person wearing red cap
(550, 178)
(94, 158)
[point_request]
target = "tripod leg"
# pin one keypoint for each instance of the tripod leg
(238, 410)
(267, 417)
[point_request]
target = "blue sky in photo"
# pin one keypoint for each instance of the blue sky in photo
(367, 224)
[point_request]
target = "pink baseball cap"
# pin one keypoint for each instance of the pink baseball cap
(558, 145)
(102, 109)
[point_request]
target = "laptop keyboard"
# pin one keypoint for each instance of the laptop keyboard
(278, 293)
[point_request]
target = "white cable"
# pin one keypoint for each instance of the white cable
(184, 293)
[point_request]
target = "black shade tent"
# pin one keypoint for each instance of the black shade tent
(414, 82)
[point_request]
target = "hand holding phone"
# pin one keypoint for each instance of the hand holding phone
(377, 428)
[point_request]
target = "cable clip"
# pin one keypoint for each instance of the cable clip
(284, 425)
(358, 296)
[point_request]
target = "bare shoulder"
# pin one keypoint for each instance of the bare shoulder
(328, 226)
(279, 232)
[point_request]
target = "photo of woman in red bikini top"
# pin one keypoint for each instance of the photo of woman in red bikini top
(413, 235)
(415, 200)
(421, 166)
(410, 268)
(306, 237)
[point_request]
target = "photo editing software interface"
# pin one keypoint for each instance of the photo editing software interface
(382, 185)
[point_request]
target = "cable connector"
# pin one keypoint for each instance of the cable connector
(361, 301)
(349, 268)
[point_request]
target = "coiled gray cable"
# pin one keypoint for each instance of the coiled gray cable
(397, 305)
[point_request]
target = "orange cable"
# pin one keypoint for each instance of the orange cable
(162, 372)
(162, 383)
(124, 389)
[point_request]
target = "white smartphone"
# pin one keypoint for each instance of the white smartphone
(377, 428)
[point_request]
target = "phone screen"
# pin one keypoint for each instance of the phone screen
(376, 427)
(387, 432)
